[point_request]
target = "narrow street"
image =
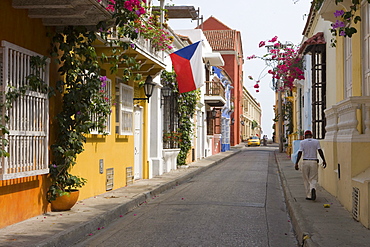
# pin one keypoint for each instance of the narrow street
(239, 202)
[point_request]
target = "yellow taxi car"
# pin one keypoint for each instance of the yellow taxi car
(254, 141)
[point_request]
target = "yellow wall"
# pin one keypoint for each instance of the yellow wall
(351, 152)
(117, 151)
(328, 178)
(25, 197)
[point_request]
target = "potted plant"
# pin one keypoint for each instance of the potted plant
(63, 193)
(172, 139)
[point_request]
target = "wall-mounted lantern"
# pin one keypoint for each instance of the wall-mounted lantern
(214, 113)
(148, 88)
(166, 91)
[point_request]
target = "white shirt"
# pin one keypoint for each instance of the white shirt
(309, 148)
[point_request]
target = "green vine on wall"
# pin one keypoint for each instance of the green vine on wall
(187, 103)
(82, 99)
(82, 87)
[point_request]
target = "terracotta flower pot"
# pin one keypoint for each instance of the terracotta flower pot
(65, 202)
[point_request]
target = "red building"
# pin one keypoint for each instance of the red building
(228, 43)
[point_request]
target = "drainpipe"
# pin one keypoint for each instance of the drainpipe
(280, 122)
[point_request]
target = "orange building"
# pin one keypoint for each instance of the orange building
(228, 43)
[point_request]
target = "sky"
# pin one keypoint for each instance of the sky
(257, 20)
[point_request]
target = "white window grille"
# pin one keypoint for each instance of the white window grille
(107, 89)
(347, 67)
(125, 108)
(28, 117)
(365, 23)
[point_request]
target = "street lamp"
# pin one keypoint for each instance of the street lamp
(148, 88)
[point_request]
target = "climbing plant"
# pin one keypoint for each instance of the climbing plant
(83, 98)
(85, 106)
(186, 103)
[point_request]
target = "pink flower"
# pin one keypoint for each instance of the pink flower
(273, 39)
(110, 7)
(262, 43)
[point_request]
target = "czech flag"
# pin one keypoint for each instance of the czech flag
(188, 65)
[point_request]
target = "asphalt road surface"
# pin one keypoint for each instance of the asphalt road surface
(238, 202)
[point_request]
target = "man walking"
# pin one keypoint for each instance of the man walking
(310, 147)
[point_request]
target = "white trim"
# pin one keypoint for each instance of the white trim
(29, 117)
(126, 112)
(347, 67)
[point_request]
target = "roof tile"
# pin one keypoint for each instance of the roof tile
(221, 40)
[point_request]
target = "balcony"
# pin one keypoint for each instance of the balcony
(349, 119)
(151, 60)
(65, 12)
(215, 93)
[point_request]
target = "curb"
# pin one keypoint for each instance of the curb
(298, 221)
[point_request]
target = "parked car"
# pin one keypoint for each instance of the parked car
(254, 141)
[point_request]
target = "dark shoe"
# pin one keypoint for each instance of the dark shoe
(313, 194)
(308, 198)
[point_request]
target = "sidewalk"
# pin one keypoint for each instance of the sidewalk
(87, 216)
(327, 227)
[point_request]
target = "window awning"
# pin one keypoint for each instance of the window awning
(317, 39)
(214, 59)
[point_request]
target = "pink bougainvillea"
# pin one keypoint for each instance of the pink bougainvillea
(286, 64)
(136, 6)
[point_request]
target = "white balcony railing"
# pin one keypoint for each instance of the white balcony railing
(142, 45)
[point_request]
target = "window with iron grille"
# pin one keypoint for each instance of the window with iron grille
(106, 87)
(210, 120)
(318, 53)
(171, 137)
(28, 117)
